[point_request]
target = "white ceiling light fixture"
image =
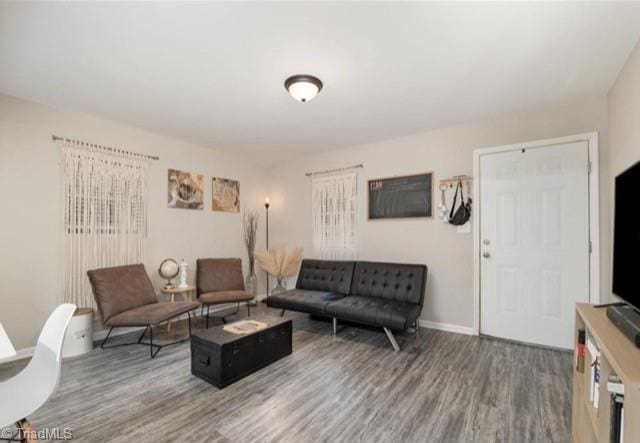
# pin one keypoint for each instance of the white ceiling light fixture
(303, 87)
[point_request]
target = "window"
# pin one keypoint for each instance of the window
(335, 215)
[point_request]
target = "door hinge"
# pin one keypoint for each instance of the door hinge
(589, 167)
(590, 247)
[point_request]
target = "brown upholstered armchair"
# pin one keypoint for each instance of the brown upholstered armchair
(126, 298)
(219, 281)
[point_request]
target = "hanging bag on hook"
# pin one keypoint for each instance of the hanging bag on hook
(468, 204)
(460, 216)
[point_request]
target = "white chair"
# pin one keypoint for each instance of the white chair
(26, 392)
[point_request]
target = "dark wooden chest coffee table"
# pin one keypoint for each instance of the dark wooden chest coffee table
(221, 357)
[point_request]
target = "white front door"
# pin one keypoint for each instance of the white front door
(534, 234)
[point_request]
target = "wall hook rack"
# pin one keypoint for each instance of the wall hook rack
(451, 181)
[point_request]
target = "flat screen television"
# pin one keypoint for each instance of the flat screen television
(626, 237)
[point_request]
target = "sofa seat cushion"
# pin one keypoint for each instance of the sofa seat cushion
(213, 298)
(151, 314)
(375, 311)
(302, 300)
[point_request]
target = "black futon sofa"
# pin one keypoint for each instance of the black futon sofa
(386, 295)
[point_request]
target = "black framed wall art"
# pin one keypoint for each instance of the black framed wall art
(407, 196)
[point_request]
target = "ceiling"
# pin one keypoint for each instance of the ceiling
(213, 73)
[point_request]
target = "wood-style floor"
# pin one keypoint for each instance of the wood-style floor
(441, 387)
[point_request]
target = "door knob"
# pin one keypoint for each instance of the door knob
(486, 255)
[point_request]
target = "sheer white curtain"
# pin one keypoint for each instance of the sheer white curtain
(335, 215)
(104, 215)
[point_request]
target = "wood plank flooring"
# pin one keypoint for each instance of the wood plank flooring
(442, 387)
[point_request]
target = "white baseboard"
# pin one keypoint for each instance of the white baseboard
(467, 330)
(102, 333)
(20, 354)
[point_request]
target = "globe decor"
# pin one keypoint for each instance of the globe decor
(169, 269)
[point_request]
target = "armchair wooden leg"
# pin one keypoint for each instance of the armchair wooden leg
(173, 299)
(248, 310)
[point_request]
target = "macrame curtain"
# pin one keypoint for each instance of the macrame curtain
(104, 214)
(335, 215)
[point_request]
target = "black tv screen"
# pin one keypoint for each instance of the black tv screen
(626, 237)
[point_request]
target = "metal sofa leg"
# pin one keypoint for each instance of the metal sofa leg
(248, 310)
(392, 339)
(282, 313)
(417, 329)
(335, 326)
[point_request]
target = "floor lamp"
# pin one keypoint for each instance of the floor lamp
(266, 207)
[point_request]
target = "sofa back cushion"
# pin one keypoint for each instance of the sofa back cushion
(120, 289)
(325, 275)
(393, 281)
(219, 274)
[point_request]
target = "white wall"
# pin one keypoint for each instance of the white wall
(29, 227)
(29, 175)
(447, 152)
(624, 123)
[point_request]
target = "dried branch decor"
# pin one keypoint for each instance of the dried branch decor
(277, 262)
(250, 220)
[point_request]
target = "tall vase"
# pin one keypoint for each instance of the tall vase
(251, 286)
(280, 288)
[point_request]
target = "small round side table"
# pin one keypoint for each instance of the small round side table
(186, 292)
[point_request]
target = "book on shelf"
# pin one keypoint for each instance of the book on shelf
(580, 351)
(614, 385)
(621, 440)
(596, 382)
(594, 385)
(616, 433)
(592, 346)
(616, 410)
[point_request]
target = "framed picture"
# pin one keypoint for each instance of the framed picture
(408, 196)
(185, 190)
(225, 195)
